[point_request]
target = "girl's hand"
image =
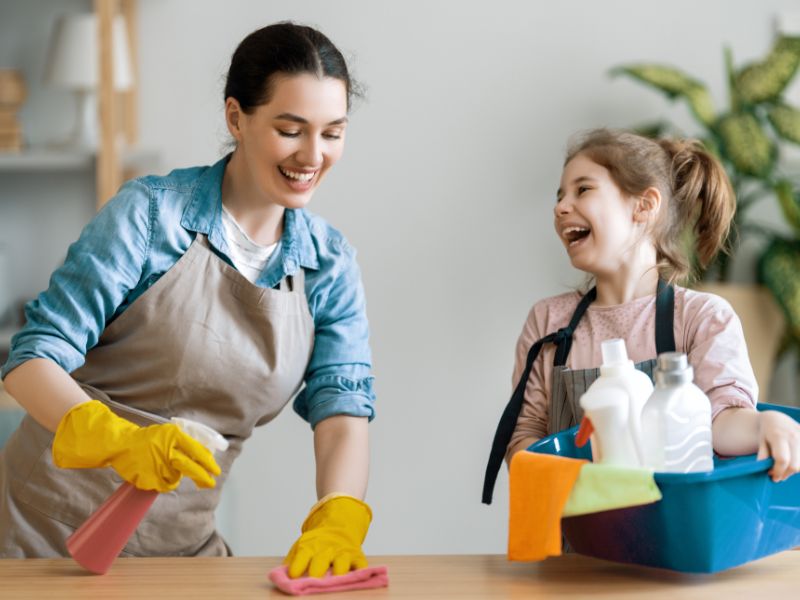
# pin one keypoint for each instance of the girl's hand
(779, 437)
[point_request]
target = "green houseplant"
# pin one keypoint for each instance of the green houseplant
(749, 136)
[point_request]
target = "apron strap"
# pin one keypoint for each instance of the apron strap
(665, 314)
(665, 342)
(565, 343)
(508, 421)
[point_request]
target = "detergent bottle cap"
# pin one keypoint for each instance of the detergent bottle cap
(615, 356)
(673, 368)
(204, 434)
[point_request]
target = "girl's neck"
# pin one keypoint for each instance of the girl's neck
(611, 292)
(635, 279)
(260, 218)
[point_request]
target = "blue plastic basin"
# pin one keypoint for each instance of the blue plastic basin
(705, 522)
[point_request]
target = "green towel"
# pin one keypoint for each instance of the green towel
(606, 487)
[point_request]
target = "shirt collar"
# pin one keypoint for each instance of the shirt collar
(203, 214)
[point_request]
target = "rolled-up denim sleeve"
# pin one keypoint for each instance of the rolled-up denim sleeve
(338, 380)
(100, 269)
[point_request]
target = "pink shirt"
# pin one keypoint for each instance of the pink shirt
(705, 326)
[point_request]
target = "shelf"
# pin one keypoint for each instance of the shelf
(43, 159)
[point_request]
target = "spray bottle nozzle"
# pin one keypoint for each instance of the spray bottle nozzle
(211, 439)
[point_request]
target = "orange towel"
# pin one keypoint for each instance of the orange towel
(540, 485)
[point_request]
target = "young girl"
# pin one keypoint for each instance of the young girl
(209, 293)
(623, 203)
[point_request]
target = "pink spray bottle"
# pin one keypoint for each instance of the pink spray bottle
(97, 543)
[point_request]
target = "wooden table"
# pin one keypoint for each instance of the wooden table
(417, 577)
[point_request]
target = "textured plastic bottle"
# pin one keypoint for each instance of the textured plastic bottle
(97, 543)
(676, 420)
(613, 404)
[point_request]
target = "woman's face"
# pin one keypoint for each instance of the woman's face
(290, 143)
(594, 219)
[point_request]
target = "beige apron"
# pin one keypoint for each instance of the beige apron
(202, 343)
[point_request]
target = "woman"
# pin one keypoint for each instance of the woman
(212, 294)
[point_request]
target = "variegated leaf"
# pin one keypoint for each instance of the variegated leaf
(701, 104)
(786, 121)
(675, 84)
(765, 80)
(651, 130)
(745, 143)
(779, 270)
(790, 203)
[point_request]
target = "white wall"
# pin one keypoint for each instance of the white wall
(446, 189)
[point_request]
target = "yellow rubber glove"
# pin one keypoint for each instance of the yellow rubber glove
(333, 533)
(151, 458)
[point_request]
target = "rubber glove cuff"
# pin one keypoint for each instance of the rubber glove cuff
(319, 512)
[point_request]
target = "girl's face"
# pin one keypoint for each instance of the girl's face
(291, 142)
(594, 219)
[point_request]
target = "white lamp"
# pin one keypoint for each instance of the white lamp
(73, 62)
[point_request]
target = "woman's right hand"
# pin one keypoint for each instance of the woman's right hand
(151, 458)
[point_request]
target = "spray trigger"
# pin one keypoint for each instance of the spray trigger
(585, 431)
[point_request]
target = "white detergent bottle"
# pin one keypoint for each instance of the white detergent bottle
(613, 404)
(676, 420)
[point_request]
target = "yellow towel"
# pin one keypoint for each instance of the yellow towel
(540, 485)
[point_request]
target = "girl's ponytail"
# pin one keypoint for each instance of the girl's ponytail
(702, 196)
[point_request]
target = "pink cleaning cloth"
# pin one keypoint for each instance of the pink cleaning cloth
(360, 579)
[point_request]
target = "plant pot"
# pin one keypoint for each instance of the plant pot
(762, 321)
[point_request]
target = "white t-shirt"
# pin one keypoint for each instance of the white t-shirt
(247, 256)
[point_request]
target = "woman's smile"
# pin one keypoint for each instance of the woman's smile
(299, 180)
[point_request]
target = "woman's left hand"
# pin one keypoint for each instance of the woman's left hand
(332, 537)
(779, 437)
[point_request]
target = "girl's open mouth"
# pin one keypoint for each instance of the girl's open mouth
(575, 235)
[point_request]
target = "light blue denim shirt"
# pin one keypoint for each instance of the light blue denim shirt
(146, 228)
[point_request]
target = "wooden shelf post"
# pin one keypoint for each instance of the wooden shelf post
(109, 176)
(129, 99)
(117, 111)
